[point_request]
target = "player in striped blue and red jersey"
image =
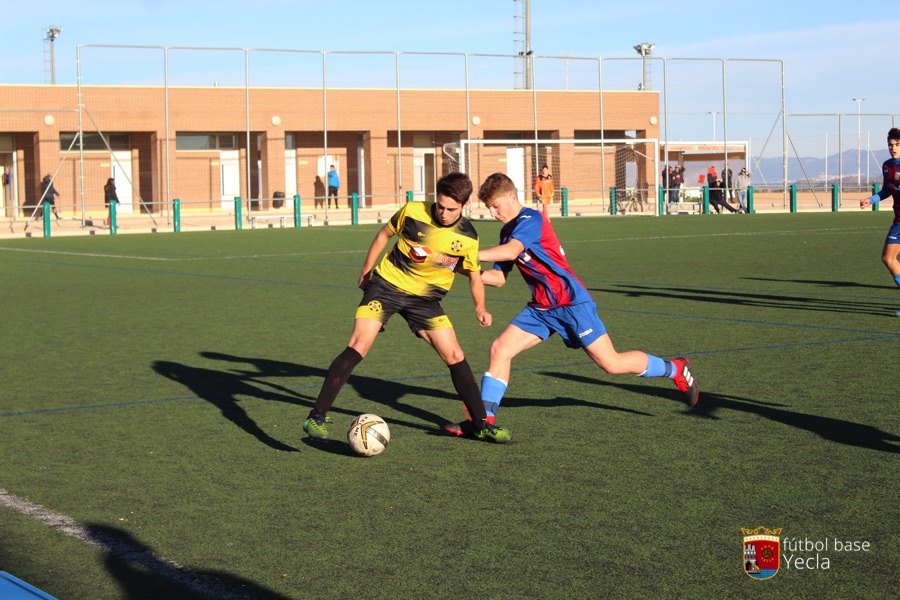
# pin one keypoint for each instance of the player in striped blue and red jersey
(559, 303)
(890, 255)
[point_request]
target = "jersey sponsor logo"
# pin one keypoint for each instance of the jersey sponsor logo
(444, 261)
(418, 253)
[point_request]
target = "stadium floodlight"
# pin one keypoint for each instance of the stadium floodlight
(644, 50)
(52, 34)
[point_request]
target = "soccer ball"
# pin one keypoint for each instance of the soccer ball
(368, 435)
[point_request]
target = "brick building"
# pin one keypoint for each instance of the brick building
(211, 131)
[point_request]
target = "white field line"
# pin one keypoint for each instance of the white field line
(843, 230)
(197, 582)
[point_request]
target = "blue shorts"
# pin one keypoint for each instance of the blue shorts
(893, 236)
(578, 325)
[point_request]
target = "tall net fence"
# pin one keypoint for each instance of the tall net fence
(145, 141)
(589, 171)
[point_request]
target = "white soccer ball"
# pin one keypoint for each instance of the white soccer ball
(368, 435)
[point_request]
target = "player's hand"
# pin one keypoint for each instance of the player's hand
(364, 280)
(864, 203)
(485, 319)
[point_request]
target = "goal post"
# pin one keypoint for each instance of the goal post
(588, 168)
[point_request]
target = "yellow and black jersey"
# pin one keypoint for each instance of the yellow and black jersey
(427, 254)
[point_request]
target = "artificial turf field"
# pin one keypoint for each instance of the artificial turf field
(154, 387)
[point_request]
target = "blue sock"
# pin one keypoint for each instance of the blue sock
(897, 280)
(492, 391)
(657, 367)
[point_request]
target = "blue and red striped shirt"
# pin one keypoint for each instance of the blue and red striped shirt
(542, 263)
(891, 186)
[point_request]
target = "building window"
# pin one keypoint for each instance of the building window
(205, 141)
(94, 141)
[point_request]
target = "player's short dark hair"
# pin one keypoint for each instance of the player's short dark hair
(495, 185)
(455, 185)
(894, 134)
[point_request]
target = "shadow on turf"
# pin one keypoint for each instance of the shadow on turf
(827, 428)
(141, 574)
(223, 388)
(824, 283)
(735, 300)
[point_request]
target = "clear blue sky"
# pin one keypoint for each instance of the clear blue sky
(833, 51)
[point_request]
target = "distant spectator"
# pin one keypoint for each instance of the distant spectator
(48, 194)
(741, 183)
(109, 196)
(676, 181)
(334, 184)
(543, 187)
(717, 197)
(728, 182)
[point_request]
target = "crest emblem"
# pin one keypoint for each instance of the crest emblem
(761, 552)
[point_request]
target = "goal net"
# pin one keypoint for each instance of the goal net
(588, 168)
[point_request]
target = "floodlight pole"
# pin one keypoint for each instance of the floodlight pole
(644, 50)
(713, 113)
(52, 34)
(859, 102)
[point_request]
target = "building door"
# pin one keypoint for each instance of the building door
(290, 173)
(515, 170)
(230, 169)
(361, 161)
(120, 164)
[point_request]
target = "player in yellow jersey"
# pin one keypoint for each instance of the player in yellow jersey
(434, 243)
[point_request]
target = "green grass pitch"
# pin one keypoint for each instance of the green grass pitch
(154, 386)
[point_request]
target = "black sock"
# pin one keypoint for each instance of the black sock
(338, 374)
(467, 388)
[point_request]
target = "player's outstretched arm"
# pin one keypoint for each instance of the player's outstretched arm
(494, 278)
(508, 251)
(476, 288)
(375, 249)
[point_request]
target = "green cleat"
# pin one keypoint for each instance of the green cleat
(492, 433)
(315, 425)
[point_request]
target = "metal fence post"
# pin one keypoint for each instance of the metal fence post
(750, 208)
(661, 195)
(46, 219)
(835, 197)
(113, 225)
(705, 199)
(176, 210)
(793, 198)
(876, 187)
(237, 213)
(354, 208)
(612, 200)
(565, 202)
(409, 196)
(297, 210)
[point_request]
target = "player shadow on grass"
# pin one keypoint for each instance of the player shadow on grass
(826, 283)
(834, 430)
(142, 574)
(827, 428)
(734, 299)
(223, 388)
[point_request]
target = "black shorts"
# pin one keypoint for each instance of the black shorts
(381, 301)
